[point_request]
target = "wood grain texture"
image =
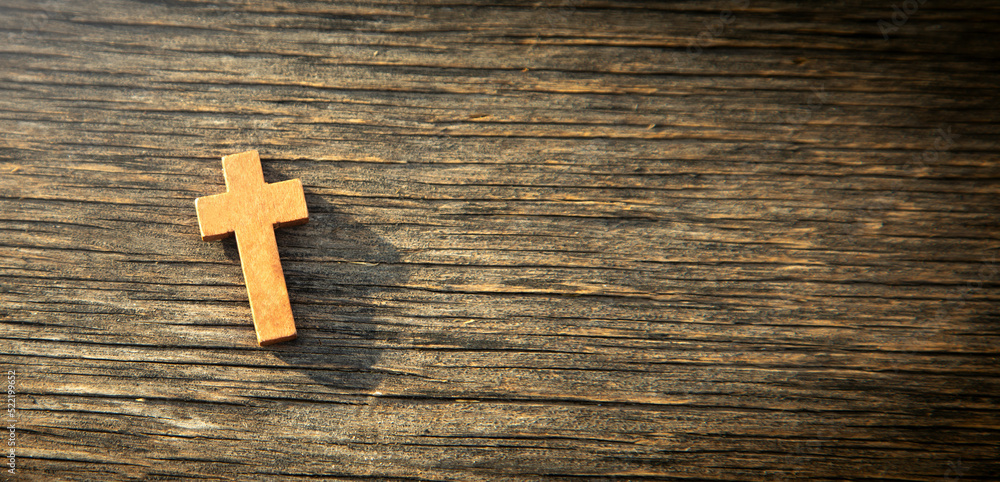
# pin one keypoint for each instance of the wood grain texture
(721, 240)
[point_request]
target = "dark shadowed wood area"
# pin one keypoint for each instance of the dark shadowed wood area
(729, 240)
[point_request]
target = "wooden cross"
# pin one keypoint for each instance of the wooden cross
(251, 209)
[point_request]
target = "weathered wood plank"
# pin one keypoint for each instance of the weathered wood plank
(581, 239)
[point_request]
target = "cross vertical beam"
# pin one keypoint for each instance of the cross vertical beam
(251, 209)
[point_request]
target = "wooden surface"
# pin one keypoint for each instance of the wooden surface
(570, 240)
(252, 209)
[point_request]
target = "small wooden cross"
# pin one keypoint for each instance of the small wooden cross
(251, 209)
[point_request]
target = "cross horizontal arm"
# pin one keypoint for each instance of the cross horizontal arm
(287, 203)
(214, 217)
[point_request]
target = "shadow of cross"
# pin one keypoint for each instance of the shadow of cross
(251, 209)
